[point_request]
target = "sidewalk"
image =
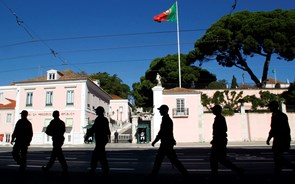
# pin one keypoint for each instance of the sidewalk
(149, 146)
(179, 145)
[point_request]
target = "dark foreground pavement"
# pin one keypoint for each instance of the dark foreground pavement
(132, 165)
(54, 177)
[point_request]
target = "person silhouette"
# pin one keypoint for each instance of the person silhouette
(21, 139)
(165, 134)
(116, 134)
(102, 133)
(56, 129)
(280, 132)
(219, 142)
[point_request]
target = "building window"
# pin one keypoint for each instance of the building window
(121, 111)
(29, 100)
(70, 97)
(51, 76)
(180, 109)
(110, 111)
(46, 123)
(69, 138)
(69, 124)
(88, 101)
(8, 118)
(180, 105)
(1, 96)
(7, 138)
(49, 97)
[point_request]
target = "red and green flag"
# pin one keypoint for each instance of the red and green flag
(169, 15)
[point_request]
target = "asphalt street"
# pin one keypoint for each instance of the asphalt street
(132, 164)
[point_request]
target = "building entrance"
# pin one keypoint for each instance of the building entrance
(143, 132)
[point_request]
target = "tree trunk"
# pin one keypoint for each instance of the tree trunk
(265, 69)
(244, 64)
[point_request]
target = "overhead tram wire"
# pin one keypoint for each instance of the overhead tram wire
(21, 23)
(97, 36)
(89, 63)
(80, 63)
(91, 50)
(101, 49)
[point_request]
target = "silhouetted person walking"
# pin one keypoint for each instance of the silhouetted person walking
(280, 132)
(101, 132)
(219, 142)
(116, 134)
(56, 129)
(165, 134)
(21, 138)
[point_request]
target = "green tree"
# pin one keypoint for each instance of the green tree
(112, 84)
(234, 83)
(167, 67)
(230, 100)
(220, 84)
(289, 97)
(242, 35)
(262, 101)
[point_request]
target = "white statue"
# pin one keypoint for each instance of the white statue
(158, 78)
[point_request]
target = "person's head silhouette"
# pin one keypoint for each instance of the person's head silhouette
(273, 106)
(99, 111)
(163, 109)
(217, 109)
(24, 114)
(55, 114)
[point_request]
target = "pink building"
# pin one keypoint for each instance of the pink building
(120, 111)
(74, 96)
(191, 124)
(7, 112)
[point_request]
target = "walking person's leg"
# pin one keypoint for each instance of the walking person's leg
(94, 160)
(23, 159)
(158, 161)
(51, 160)
(103, 160)
(16, 153)
(62, 160)
(214, 161)
(171, 154)
(278, 161)
(223, 159)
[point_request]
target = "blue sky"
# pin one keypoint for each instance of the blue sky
(114, 36)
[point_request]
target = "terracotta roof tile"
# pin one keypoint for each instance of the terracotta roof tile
(273, 81)
(115, 97)
(65, 75)
(10, 105)
(180, 91)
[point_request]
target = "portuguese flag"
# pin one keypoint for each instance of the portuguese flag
(169, 15)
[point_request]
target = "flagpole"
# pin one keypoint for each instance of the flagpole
(178, 45)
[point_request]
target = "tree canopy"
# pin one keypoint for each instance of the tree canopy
(220, 84)
(234, 83)
(167, 68)
(235, 38)
(112, 84)
(289, 97)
